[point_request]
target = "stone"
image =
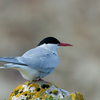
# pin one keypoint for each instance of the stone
(41, 90)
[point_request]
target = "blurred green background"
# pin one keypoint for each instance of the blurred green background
(23, 23)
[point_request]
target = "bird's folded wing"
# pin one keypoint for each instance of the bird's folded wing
(42, 60)
(44, 63)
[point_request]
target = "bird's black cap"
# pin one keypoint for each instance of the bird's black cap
(49, 40)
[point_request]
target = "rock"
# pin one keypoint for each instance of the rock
(41, 90)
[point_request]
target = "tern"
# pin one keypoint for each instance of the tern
(38, 62)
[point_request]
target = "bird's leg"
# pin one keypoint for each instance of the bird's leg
(41, 79)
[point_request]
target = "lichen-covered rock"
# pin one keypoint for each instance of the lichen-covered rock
(74, 96)
(41, 90)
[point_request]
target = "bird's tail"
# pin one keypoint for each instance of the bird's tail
(8, 65)
(13, 66)
(2, 67)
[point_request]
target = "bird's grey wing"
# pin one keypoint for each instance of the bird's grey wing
(17, 60)
(41, 59)
(11, 60)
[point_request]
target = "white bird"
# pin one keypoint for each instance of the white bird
(38, 62)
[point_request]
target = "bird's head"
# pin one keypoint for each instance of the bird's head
(52, 42)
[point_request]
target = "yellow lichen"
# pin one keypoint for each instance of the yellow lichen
(10, 97)
(26, 83)
(26, 92)
(18, 95)
(19, 87)
(12, 94)
(55, 91)
(33, 85)
(77, 96)
(16, 92)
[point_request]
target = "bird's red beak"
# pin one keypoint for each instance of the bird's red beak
(64, 44)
